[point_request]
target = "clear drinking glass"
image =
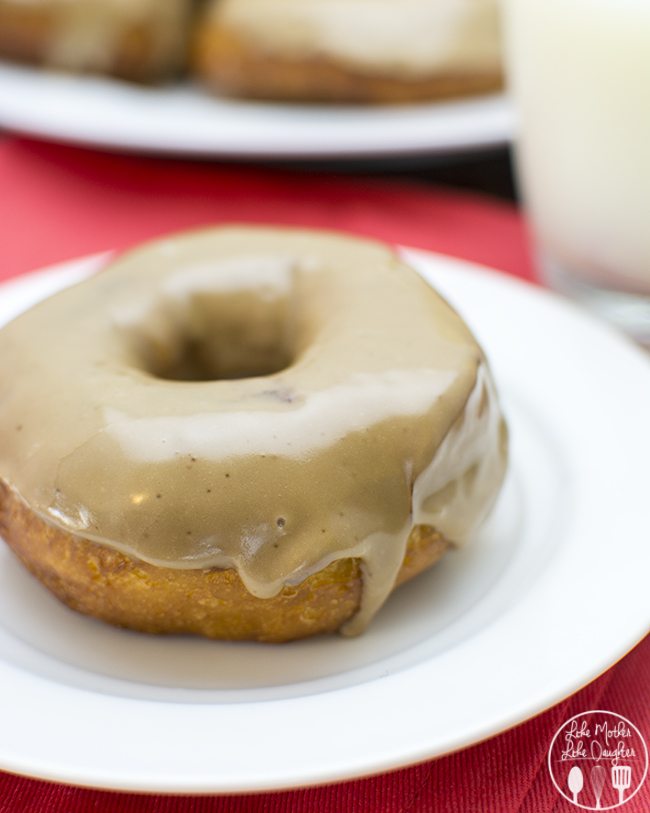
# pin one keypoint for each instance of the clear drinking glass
(579, 71)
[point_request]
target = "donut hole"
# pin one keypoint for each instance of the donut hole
(213, 338)
(200, 360)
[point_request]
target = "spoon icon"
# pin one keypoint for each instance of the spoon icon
(597, 783)
(576, 782)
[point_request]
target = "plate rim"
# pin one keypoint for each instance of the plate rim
(491, 117)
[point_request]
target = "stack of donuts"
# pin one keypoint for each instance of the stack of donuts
(362, 51)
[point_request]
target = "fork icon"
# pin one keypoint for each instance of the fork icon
(621, 780)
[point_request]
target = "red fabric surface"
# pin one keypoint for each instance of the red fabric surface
(59, 202)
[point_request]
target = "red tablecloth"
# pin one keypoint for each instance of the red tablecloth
(57, 203)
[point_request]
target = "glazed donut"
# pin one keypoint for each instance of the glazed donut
(349, 50)
(141, 40)
(243, 433)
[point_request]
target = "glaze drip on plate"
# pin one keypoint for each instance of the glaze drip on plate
(260, 399)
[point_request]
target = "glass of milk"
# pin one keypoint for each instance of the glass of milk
(579, 71)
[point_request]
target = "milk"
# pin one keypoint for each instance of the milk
(580, 73)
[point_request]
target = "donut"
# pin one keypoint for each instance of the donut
(349, 50)
(139, 40)
(244, 433)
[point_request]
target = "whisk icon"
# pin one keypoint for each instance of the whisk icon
(597, 783)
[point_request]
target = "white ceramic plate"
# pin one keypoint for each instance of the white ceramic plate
(552, 593)
(183, 119)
